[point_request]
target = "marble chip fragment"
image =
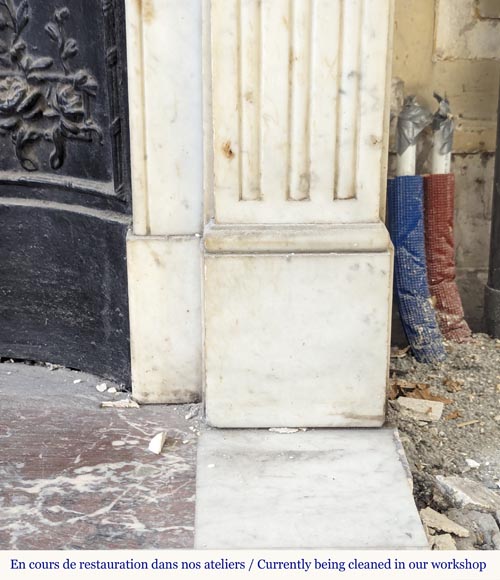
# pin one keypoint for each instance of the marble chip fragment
(444, 542)
(436, 521)
(156, 444)
(112, 390)
(77, 381)
(420, 409)
(283, 430)
(52, 367)
(468, 493)
(122, 404)
(191, 415)
(102, 387)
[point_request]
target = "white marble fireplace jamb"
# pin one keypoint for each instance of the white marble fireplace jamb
(164, 248)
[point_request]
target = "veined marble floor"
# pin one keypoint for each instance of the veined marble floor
(76, 476)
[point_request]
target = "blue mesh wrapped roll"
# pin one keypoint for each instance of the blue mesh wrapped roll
(406, 225)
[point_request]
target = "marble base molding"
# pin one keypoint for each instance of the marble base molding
(296, 339)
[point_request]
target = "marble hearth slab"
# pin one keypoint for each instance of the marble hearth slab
(341, 489)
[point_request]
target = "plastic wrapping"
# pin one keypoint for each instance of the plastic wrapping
(443, 122)
(406, 226)
(440, 250)
(413, 119)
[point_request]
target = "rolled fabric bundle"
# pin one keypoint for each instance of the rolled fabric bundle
(440, 251)
(412, 120)
(405, 206)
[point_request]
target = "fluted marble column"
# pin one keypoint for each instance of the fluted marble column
(164, 250)
(298, 263)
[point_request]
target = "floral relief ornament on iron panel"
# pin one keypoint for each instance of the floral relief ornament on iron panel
(40, 99)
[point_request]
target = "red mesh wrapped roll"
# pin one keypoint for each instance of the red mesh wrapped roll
(440, 252)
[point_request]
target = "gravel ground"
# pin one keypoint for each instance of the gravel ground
(465, 441)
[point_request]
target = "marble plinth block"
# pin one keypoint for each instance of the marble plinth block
(296, 339)
(165, 318)
(336, 489)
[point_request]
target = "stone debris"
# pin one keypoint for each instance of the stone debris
(410, 390)
(156, 444)
(399, 352)
(453, 385)
(52, 367)
(420, 409)
(122, 404)
(483, 529)
(112, 390)
(77, 381)
(441, 523)
(468, 423)
(464, 492)
(192, 414)
(484, 526)
(102, 387)
(443, 542)
(496, 541)
(283, 430)
(464, 443)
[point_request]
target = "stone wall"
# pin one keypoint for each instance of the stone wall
(453, 47)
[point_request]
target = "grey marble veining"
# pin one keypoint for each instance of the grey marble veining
(75, 476)
(316, 489)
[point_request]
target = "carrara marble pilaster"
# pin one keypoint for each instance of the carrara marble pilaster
(164, 249)
(298, 264)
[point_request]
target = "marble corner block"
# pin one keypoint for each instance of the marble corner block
(165, 318)
(164, 252)
(298, 264)
(324, 489)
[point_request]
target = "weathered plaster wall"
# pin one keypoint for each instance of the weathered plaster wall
(453, 47)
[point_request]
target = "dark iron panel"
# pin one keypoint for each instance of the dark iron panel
(64, 184)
